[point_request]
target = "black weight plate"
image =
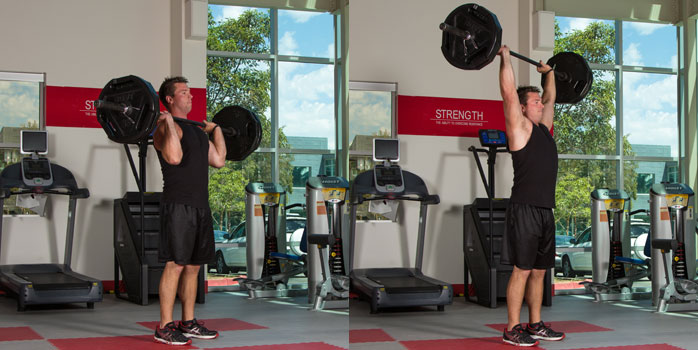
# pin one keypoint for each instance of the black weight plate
(135, 126)
(246, 131)
(486, 33)
(580, 77)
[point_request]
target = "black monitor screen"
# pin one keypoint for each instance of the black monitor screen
(34, 141)
(386, 149)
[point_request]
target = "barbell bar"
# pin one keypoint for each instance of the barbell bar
(128, 109)
(471, 38)
(467, 36)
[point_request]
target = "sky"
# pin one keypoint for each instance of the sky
(649, 100)
(306, 91)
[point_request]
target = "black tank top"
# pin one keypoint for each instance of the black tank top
(535, 170)
(187, 182)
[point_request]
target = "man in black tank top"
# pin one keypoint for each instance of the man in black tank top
(186, 229)
(529, 240)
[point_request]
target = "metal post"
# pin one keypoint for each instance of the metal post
(69, 231)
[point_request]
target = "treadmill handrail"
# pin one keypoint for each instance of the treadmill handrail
(429, 199)
(364, 184)
(74, 193)
(63, 182)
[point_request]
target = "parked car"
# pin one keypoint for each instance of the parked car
(560, 242)
(231, 253)
(563, 241)
(219, 236)
(575, 259)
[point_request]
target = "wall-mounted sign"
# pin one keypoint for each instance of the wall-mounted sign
(438, 116)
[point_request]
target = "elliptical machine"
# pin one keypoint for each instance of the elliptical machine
(673, 248)
(268, 269)
(613, 270)
(328, 283)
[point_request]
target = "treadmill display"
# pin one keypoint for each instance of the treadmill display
(388, 178)
(36, 172)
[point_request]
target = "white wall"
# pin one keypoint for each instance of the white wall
(85, 43)
(399, 41)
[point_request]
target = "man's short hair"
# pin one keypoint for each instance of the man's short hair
(523, 91)
(167, 88)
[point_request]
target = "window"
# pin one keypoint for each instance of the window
(281, 64)
(22, 106)
(301, 175)
(639, 229)
(584, 237)
(644, 182)
(625, 133)
(238, 232)
(284, 65)
(620, 126)
(371, 115)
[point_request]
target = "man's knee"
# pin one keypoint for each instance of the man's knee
(192, 268)
(171, 265)
(537, 273)
(191, 271)
(521, 272)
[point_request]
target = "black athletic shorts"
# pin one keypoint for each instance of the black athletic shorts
(186, 235)
(529, 239)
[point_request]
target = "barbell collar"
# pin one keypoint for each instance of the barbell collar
(113, 106)
(118, 107)
(455, 31)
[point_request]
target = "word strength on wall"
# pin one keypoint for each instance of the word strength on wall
(447, 115)
(438, 116)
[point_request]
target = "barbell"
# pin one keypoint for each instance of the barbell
(472, 36)
(128, 109)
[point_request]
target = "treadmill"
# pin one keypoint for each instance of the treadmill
(396, 286)
(34, 284)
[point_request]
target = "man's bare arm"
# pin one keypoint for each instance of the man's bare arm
(217, 149)
(549, 95)
(167, 139)
(518, 127)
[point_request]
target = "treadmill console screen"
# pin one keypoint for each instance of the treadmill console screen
(388, 179)
(492, 138)
(386, 150)
(36, 172)
(33, 141)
